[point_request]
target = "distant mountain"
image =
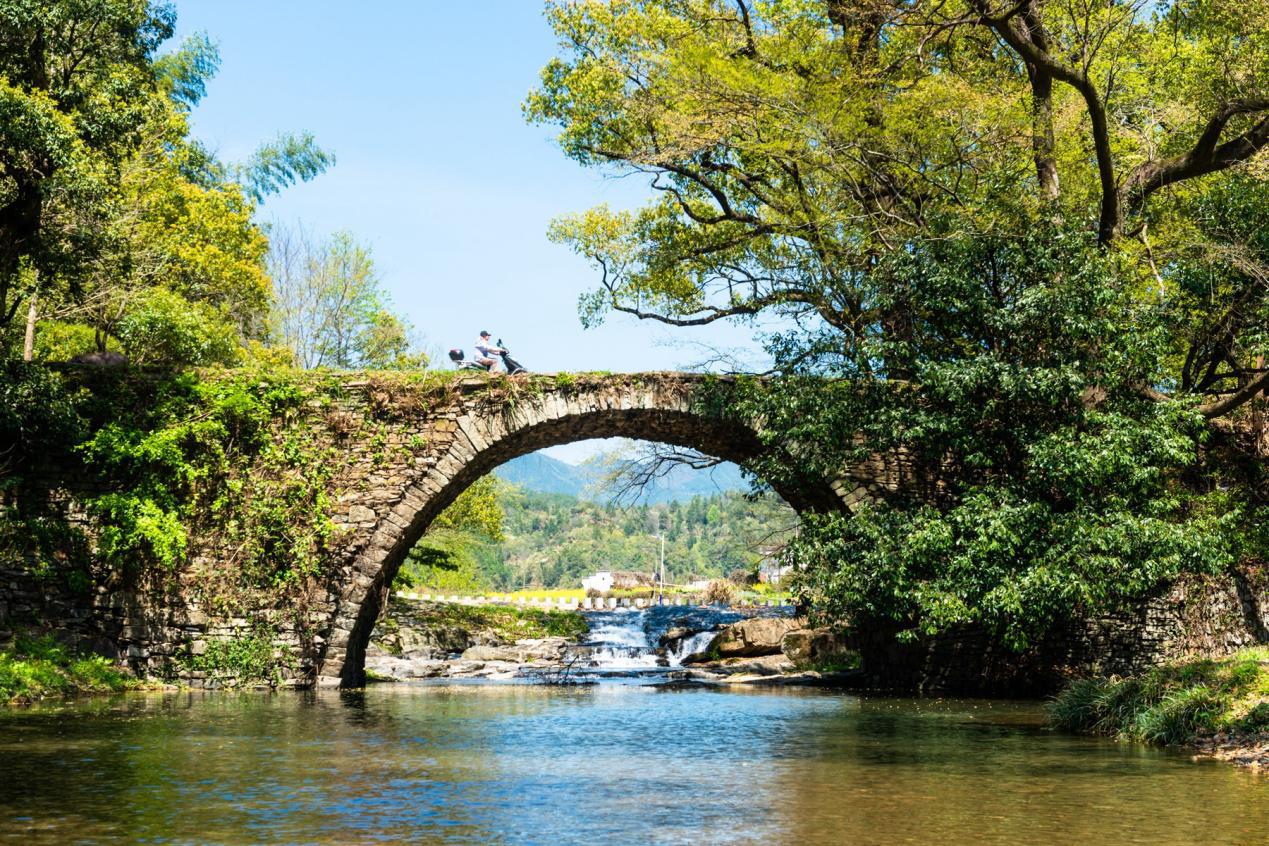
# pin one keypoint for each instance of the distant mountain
(539, 472)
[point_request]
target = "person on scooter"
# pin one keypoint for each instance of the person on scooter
(487, 352)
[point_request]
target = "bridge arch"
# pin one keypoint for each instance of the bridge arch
(482, 436)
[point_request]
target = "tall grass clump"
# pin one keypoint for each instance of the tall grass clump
(41, 668)
(1174, 703)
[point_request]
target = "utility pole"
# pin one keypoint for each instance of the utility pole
(661, 593)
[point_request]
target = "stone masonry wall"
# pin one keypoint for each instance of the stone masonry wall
(1199, 617)
(401, 448)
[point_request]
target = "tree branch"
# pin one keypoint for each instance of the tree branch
(1014, 32)
(1203, 158)
(1243, 395)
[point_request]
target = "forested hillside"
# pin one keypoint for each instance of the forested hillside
(555, 540)
(590, 480)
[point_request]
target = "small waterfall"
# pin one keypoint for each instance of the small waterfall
(624, 641)
(618, 641)
(698, 642)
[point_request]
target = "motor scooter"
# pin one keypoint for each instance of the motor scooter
(513, 367)
(463, 363)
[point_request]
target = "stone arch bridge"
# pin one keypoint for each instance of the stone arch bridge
(481, 429)
(401, 448)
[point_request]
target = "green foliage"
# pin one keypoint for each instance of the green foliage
(330, 308)
(37, 412)
(1027, 330)
(476, 510)
(162, 327)
(174, 452)
(242, 661)
(554, 540)
(62, 340)
(281, 163)
(1062, 491)
(453, 553)
(137, 530)
(504, 623)
(184, 72)
(111, 215)
(48, 548)
(1175, 703)
(40, 667)
(76, 86)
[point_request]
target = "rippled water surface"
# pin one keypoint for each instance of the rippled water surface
(616, 764)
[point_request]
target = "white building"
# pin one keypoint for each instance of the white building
(600, 582)
(606, 580)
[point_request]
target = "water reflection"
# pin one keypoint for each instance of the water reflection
(615, 763)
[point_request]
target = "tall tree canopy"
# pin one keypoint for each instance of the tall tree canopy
(77, 83)
(1021, 244)
(115, 223)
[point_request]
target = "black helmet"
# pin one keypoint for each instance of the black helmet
(456, 355)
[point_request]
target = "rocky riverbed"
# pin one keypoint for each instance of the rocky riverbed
(703, 645)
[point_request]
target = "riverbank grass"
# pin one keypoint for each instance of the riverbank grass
(1178, 703)
(40, 668)
(507, 622)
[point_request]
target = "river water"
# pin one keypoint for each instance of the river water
(610, 763)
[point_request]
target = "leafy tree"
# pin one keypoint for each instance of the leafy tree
(1019, 243)
(161, 327)
(329, 307)
(169, 214)
(281, 163)
(454, 554)
(76, 86)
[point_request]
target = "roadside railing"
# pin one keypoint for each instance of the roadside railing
(568, 603)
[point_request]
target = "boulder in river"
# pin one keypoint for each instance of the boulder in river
(511, 654)
(748, 638)
(400, 669)
(674, 635)
(522, 651)
(810, 646)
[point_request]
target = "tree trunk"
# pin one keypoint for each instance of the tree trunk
(28, 344)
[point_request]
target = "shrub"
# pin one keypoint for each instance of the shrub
(60, 340)
(247, 659)
(719, 592)
(39, 667)
(162, 327)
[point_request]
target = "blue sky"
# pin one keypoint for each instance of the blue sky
(437, 169)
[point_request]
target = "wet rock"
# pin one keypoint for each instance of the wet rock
(493, 653)
(521, 652)
(400, 669)
(673, 635)
(747, 638)
(464, 669)
(543, 649)
(809, 646)
(761, 665)
(444, 640)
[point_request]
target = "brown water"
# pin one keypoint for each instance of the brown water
(616, 764)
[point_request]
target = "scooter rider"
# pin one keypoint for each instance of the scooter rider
(486, 352)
